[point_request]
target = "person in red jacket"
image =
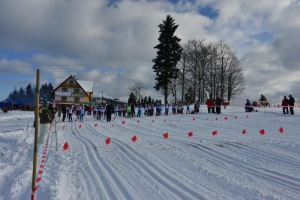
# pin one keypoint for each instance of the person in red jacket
(285, 104)
(210, 105)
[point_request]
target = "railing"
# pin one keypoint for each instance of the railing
(78, 94)
(68, 102)
(66, 94)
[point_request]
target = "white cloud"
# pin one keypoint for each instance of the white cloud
(113, 45)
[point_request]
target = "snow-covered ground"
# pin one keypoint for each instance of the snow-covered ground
(229, 165)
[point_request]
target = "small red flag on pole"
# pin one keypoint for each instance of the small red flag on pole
(244, 131)
(66, 146)
(194, 119)
(166, 135)
(134, 138)
(123, 122)
(216, 118)
(190, 134)
(262, 131)
(79, 125)
(107, 141)
(96, 125)
(152, 120)
(138, 121)
(235, 117)
(214, 133)
(281, 130)
(225, 118)
(165, 120)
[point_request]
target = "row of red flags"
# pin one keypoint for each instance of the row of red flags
(166, 135)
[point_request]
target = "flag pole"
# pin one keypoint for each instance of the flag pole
(36, 111)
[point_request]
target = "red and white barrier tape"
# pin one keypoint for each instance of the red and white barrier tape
(42, 165)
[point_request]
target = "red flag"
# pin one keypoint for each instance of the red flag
(134, 138)
(190, 134)
(75, 120)
(66, 146)
(165, 135)
(152, 120)
(79, 125)
(235, 117)
(194, 119)
(96, 125)
(165, 120)
(112, 125)
(262, 131)
(225, 118)
(123, 122)
(281, 130)
(247, 116)
(216, 118)
(138, 121)
(114, 118)
(244, 131)
(63, 127)
(214, 133)
(107, 141)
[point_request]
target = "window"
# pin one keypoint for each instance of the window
(76, 90)
(71, 82)
(64, 89)
(63, 98)
(76, 99)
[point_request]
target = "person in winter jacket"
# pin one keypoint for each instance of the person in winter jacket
(139, 111)
(109, 110)
(248, 107)
(70, 114)
(167, 108)
(285, 104)
(82, 111)
(64, 112)
(218, 105)
(210, 104)
(46, 118)
(188, 108)
(291, 104)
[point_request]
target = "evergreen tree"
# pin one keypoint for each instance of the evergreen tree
(132, 99)
(21, 94)
(168, 55)
(29, 95)
(145, 100)
(14, 95)
(149, 99)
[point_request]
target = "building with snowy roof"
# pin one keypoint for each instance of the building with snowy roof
(73, 91)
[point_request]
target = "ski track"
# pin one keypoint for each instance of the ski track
(101, 170)
(149, 167)
(277, 179)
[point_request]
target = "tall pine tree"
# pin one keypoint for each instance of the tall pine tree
(168, 54)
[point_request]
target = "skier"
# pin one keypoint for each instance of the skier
(46, 118)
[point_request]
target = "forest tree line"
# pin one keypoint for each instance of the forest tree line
(27, 95)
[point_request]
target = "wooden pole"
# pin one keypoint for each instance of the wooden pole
(35, 153)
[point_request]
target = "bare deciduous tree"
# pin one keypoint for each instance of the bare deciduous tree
(137, 88)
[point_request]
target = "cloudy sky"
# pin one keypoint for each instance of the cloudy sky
(111, 41)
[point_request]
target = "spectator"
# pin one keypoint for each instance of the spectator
(285, 104)
(291, 104)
